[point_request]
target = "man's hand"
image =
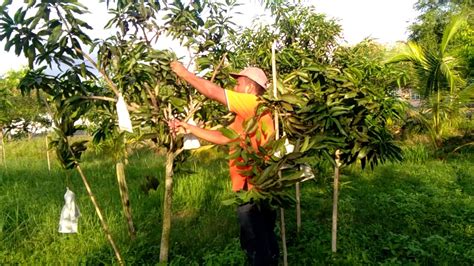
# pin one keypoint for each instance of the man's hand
(205, 87)
(178, 68)
(178, 127)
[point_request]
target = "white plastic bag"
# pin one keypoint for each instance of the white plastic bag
(289, 148)
(190, 141)
(69, 214)
(307, 173)
(123, 116)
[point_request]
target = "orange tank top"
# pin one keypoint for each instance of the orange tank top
(244, 106)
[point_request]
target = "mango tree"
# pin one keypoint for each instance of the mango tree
(55, 40)
(326, 110)
(68, 106)
(298, 31)
(145, 76)
(129, 65)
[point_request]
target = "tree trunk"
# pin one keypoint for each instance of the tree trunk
(298, 208)
(334, 204)
(101, 217)
(165, 233)
(127, 210)
(437, 120)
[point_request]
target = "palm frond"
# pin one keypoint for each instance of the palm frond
(466, 95)
(450, 30)
(412, 53)
(448, 73)
(432, 72)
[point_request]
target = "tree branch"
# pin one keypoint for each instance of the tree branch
(87, 56)
(197, 106)
(103, 98)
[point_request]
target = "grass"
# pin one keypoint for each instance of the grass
(419, 212)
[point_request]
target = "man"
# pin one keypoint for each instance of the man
(257, 223)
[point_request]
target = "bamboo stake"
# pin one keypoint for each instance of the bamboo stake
(334, 202)
(298, 208)
(277, 136)
(47, 153)
(102, 98)
(105, 227)
(4, 153)
(123, 189)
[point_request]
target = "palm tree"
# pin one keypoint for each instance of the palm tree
(437, 70)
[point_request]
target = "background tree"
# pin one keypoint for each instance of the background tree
(299, 29)
(4, 105)
(434, 17)
(20, 114)
(25, 113)
(427, 31)
(437, 70)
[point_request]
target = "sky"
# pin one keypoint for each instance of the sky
(386, 21)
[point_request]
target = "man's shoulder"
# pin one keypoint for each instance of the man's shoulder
(240, 94)
(241, 98)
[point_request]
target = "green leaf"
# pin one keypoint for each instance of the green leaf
(291, 98)
(229, 133)
(234, 155)
(177, 102)
(305, 146)
(55, 34)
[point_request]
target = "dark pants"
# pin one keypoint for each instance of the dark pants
(257, 235)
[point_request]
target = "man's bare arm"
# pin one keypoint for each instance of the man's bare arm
(205, 87)
(213, 136)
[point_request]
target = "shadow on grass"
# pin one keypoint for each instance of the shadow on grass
(408, 214)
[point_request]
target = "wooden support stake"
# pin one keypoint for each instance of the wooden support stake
(277, 136)
(298, 208)
(4, 153)
(334, 202)
(47, 154)
(105, 227)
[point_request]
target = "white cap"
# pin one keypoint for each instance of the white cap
(255, 74)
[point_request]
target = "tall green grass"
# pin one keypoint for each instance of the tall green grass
(417, 212)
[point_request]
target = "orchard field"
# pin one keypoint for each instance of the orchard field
(419, 212)
(386, 128)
